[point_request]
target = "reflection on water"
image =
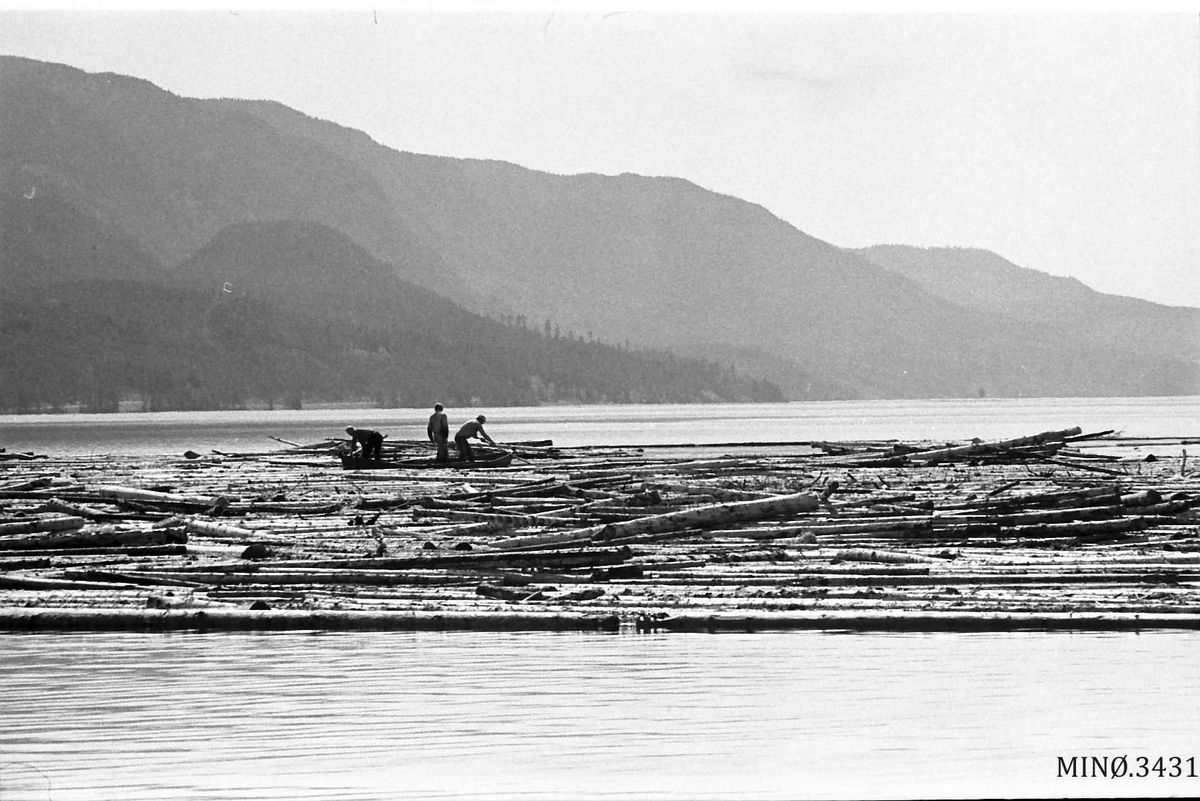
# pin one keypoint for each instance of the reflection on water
(574, 426)
(536, 715)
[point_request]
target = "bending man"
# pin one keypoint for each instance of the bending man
(471, 429)
(371, 442)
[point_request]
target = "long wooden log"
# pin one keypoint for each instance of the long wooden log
(465, 530)
(890, 557)
(720, 493)
(276, 507)
(1169, 508)
(213, 619)
(213, 529)
(1091, 528)
(81, 540)
(875, 500)
(501, 521)
(20, 582)
(310, 578)
(151, 496)
(712, 516)
(1045, 516)
(53, 523)
(27, 485)
(74, 509)
(873, 526)
(1149, 497)
(253, 551)
(1088, 467)
(937, 455)
(464, 560)
(172, 549)
(1107, 495)
(709, 516)
(922, 621)
(506, 594)
(577, 538)
(140, 579)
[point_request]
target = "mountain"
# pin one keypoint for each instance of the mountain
(653, 261)
(252, 319)
(981, 280)
(669, 263)
(46, 238)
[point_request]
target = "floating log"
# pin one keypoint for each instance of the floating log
(590, 594)
(54, 523)
(712, 516)
(136, 579)
(99, 538)
(496, 521)
(74, 509)
(1148, 497)
(965, 533)
(134, 551)
(506, 594)
(921, 621)
(1045, 516)
(473, 559)
(214, 619)
(1085, 529)
(152, 496)
(212, 529)
(893, 525)
(252, 551)
(890, 557)
(719, 493)
(26, 486)
(18, 582)
(930, 457)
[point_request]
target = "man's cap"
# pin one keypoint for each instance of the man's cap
(349, 429)
(437, 407)
(481, 419)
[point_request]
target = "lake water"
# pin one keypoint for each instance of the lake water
(547, 716)
(174, 432)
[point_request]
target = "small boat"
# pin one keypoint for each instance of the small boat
(358, 463)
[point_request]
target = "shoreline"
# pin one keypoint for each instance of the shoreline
(23, 620)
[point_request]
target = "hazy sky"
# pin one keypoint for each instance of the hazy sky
(1066, 143)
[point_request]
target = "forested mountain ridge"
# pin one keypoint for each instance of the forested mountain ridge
(657, 262)
(250, 321)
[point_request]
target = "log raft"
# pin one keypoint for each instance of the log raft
(874, 536)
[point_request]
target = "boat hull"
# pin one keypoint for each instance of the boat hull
(356, 463)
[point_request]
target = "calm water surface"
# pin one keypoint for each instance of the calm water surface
(787, 715)
(174, 432)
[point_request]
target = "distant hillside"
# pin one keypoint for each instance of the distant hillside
(171, 172)
(655, 262)
(248, 321)
(45, 238)
(982, 280)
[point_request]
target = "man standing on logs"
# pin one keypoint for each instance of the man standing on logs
(439, 433)
(371, 442)
(471, 429)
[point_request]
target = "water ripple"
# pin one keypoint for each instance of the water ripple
(535, 715)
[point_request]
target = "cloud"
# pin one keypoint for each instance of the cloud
(826, 89)
(830, 64)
